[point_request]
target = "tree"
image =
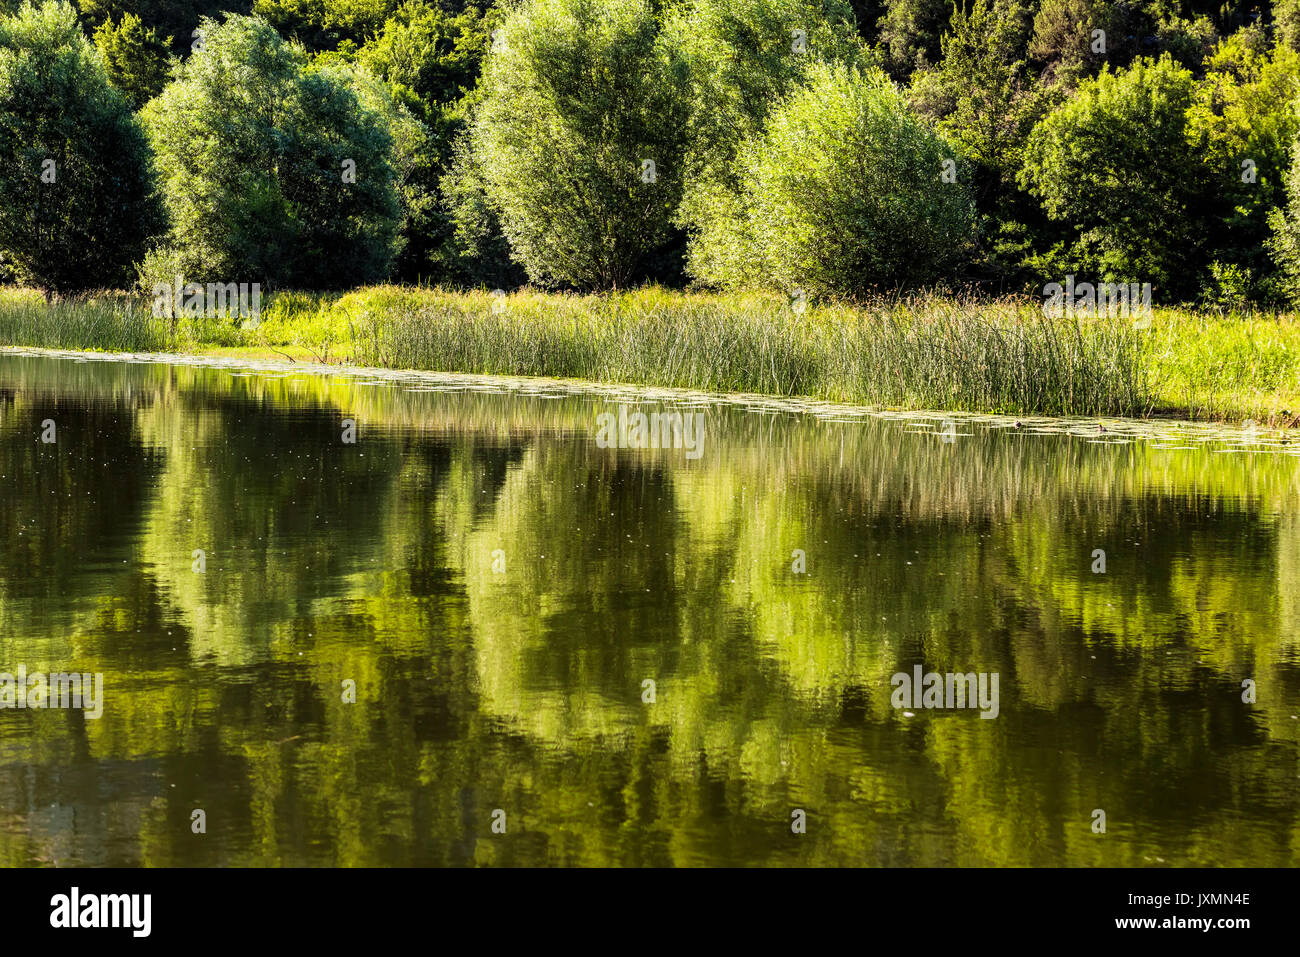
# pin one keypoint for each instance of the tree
(1284, 244)
(580, 136)
(325, 24)
(136, 59)
(1286, 23)
(1243, 120)
(177, 19)
(1065, 41)
(476, 251)
(1113, 163)
(416, 163)
(77, 201)
(273, 171)
(981, 93)
(433, 57)
(869, 208)
(431, 60)
(743, 56)
(910, 32)
(983, 97)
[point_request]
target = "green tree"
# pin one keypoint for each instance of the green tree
(1064, 43)
(580, 136)
(431, 59)
(1188, 41)
(1243, 120)
(910, 31)
(981, 93)
(177, 19)
(1284, 244)
(870, 208)
(136, 59)
(416, 163)
(985, 99)
(1113, 163)
(476, 251)
(273, 171)
(325, 24)
(743, 56)
(1286, 23)
(77, 202)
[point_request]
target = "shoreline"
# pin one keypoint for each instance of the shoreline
(982, 356)
(254, 359)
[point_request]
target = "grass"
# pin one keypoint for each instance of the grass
(109, 322)
(923, 352)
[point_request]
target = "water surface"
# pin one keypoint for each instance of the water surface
(499, 589)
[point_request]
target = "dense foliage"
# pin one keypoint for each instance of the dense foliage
(793, 143)
(76, 180)
(273, 170)
(580, 137)
(870, 208)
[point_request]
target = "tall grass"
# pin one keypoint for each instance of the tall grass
(110, 322)
(931, 352)
(1244, 366)
(922, 352)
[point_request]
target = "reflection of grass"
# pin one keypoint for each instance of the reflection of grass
(927, 352)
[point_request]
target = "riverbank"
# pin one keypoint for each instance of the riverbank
(961, 354)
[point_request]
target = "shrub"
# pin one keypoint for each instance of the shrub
(255, 150)
(577, 102)
(869, 208)
(76, 187)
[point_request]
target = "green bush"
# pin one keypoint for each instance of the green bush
(743, 56)
(76, 186)
(579, 98)
(869, 208)
(273, 171)
(1113, 163)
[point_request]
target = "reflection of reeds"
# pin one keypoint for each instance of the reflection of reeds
(899, 464)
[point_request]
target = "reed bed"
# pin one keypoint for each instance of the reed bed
(925, 351)
(929, 353)
(108, 322)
